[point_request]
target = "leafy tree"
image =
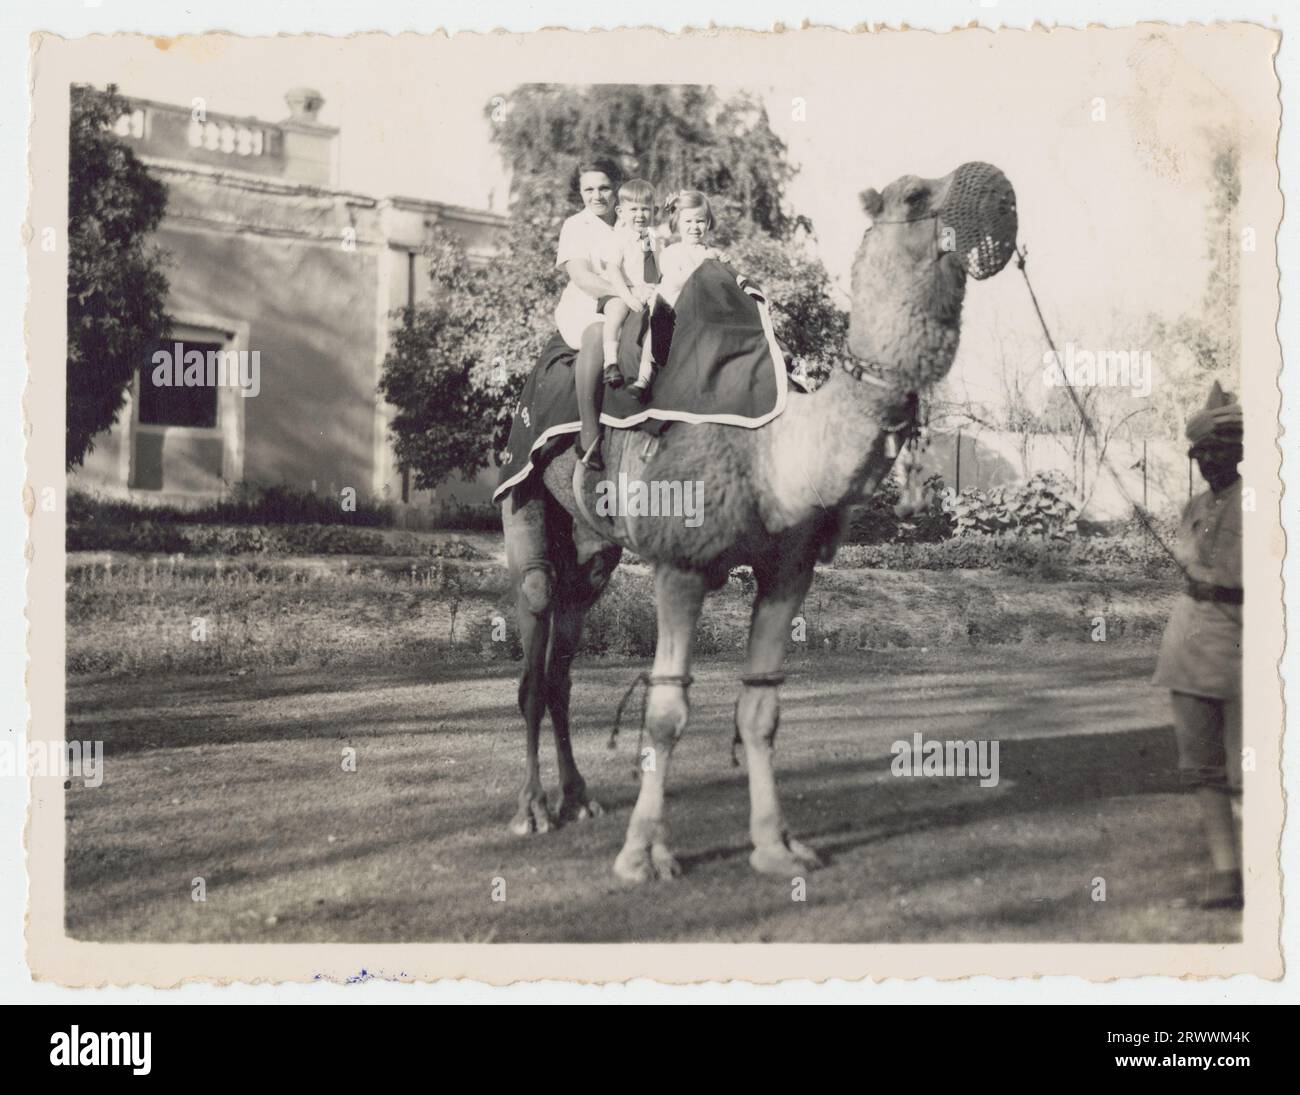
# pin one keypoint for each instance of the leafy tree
(799, 291)
(675, 136)
(456, 370)
(117, 290)
(1206, 346)
(439, 425)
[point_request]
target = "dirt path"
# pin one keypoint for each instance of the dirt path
(240, 781)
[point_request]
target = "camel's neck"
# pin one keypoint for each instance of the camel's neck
(826, 451)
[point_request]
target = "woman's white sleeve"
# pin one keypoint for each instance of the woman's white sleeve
(572, 244)
(611, 253)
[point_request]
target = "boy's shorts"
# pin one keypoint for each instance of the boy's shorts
(602, 301)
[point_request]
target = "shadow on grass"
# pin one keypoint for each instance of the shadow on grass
(1079, 748)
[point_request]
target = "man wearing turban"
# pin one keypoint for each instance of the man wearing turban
(1200, 657)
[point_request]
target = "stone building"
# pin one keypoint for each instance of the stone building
(276, 271)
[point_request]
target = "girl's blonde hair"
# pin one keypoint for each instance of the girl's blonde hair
(687, 199)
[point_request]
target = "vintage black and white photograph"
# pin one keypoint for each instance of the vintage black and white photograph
(730, 489)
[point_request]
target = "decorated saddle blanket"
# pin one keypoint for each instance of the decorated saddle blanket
(722, 364)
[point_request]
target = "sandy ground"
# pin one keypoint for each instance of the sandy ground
(238, 780)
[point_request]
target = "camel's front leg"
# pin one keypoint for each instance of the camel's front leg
(679, 596)
(758, 712)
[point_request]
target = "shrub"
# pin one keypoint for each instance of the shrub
(145, 536)
(225, 540)
(875, 522)
(405, 543)
(623, 621)
(466, 517)
(1166, 527)
(267, 540)
(247, 505)
(1121, 556)
(328, 540)
(967, 553)
(1039, 507)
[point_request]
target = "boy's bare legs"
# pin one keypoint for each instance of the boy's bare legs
(646, 372)
(616, 311)
(590, 389)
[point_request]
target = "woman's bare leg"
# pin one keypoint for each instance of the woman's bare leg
(587, 378)
(615, 313)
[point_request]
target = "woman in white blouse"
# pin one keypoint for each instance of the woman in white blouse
(584, 239)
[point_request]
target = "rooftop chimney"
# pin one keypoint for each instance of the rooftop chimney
(308, 145)
(304, 104)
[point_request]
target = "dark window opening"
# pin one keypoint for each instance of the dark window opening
(177, 404)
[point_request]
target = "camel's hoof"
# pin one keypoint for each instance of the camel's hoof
(786, 859)
(580, 809)
(633, 865)
(637, 866)
(534, 817)
(665, 863)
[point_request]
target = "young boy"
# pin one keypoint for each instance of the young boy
(630, 266)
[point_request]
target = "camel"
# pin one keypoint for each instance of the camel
(775, 498)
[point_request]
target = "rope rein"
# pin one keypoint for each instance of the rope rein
(1022, 256)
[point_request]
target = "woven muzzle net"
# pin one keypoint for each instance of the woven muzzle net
(980, 210)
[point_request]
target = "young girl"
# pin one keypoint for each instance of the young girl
(690, 218)
(584, 239)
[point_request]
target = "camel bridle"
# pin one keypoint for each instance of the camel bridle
(979, 209)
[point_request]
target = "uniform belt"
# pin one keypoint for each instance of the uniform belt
(1203, 591)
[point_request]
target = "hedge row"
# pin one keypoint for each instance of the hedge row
(173, 539)
(247, 505)
(1131, 553)
(250, 505)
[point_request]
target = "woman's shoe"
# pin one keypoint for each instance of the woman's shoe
(591, 459)
(613, 378)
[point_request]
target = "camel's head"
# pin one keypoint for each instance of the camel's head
(909, 276)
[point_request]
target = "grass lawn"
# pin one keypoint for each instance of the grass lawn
(128, 614)
(236, 777)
